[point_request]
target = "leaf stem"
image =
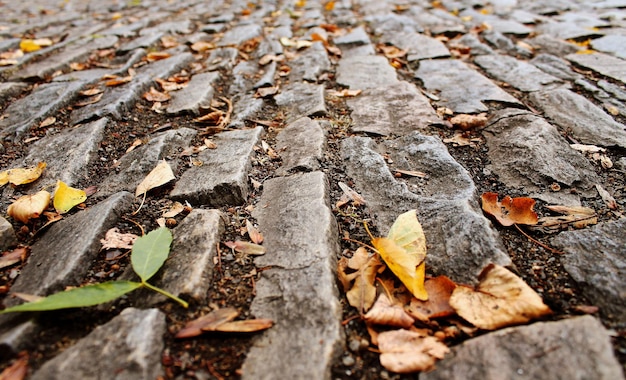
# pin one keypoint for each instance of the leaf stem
(166, 293)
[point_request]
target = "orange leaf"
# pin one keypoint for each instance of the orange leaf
(255, 235)
(156, 96)
(247, 326)
(17, 370)
(438, 304)
(510, 210)
(157, 56)
(208, 322)
(385, 313)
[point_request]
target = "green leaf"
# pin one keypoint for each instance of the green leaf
(150, 252)
(88, 295)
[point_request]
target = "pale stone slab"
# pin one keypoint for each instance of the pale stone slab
(602, 64)
(126, 348)
(302, 99)
(240, 34)
(419, 46)
(310, 64)
(502, 42)
(301, 146)
(547, 44)
(8, 89)
(358, 36)
(222, 58)
(7, 235)
(299, 292)
(519, 74)
(555, 66)
(363, 72)
(612, 44)
(198, 94)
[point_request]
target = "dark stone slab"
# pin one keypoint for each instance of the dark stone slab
(198, 94)
(472, 42)
(298, 293)
(363, 72)
(223, 177)
(519, 74)
(127, 347)
(9, 89)
(603, 64)
(581, 346)
(301, 146)
(356, 37)
(505, 44)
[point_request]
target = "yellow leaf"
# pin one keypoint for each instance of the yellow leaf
(66, 197)
(28, 45)
(159, 176)
(329, 6)
(29, 206)
(22, 176)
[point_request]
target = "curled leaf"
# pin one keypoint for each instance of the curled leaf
(385, 313)
(66, 197)
(405, 351)
(114, 239)
(438, 304)
(208, 322)
(362, 293)
(246, 247)
(246, 326)
(13, 257)
(254, 233)
(510, 211)
(22, 176)
(29, 206)
(159, 176)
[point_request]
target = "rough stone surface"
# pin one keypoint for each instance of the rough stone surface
(363, 72)
(302, 99)
(555, 66)
(245, 108)
(526, 152)
(8, 89)
(198, 94)
(519, 74)
(393, 110)
(501, 42)
(460, 88)
(613, 44)
(240, 34)
(566, 30)
(16, 333)
(301, 146)
(7, 235)
(460, 240)
(299, 292)
(223, 177)
(595, 259)
(222, 58)
(142, 42)
(127, 347)
(589, 124)
(575, 348)
(472, 42)
(419, 46)
(603, 64)
(310, 64)
(135, 166)
(554, 46)
(63, 255)
(358, 36)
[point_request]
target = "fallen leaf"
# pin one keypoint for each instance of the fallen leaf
(135, 144)
(438, 304)
(91, 100)
(385, 313)
(510, 211)
(404, 252)
(350, 194)
(467, 122)
(15, 54)
(606, 197)
(118, 81)
(329, 6)
(246, 247)
(22, 176)
(47, 122)
(214, 118)
(29, 206)
(246, 326)
(500, 299)
(460, 139)
(28, 45)
(13, 257)
(157, 56)
(207, 322)
(169, 42)
(345, 93)
(114, 239)
(412, 173)
(390, 51)
(174, 210)
(250, 45)
(362, 293)
(159, 176)
(156, 96)
(8, 62)
(202, 46)
(167, 85)
(264, 92)
(578, 217)
(405, 351)
(78, 66)
(267, 58)
(254, 233)
(587, 148)
(66, 197)
(17, 370)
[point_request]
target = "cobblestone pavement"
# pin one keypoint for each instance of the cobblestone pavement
(544, 80)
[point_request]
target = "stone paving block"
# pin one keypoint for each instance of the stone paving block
(472, 42)
(223, 177)
(301, 146)
(356, 37)
(144, 41)
(393, 110)
(117, 100)
(501, 42)
(438, 21)
(555, 66)
(574, 348)
(170, 27)
(299, 292)
(17, 331)
(615, 90)
(62, 256)
(222, 58)
(9, 89)
(589, 123)
(363, 72)
(595, 259)
(128, 347)
(496, 23)
(248, 75)
(7, 235)
(528, 153)
(547, 44)
(603, 64)
(419, 46)
(198, 94)
(310, 64)
(28, 111)
(239, 34)
(393, 23)
(246, 107)
(612, 44)
(302, 99)
(134, 166)
(460, 88)
(566, 30)
(519, 74)
(460, 240)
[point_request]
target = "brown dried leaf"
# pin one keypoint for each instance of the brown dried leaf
(91, 91)
(169, 42)
(48, 121)
(246, 326)
(500, 299)
(114, 239)
(391, 51)
(174, 210)
(268, 58)
(250, 45)
(578, 217)
(159, 176)
(157, 56)
(405, 351)
(13, 257)
(12, 55)
(355, 197)
(606, 197)
(156, 96)
(214, 118)
(459, 139)
(254, 233)
(17, 370)
(91, 100)
(362, 293)
(29, 206)
(345, 93)
(246, 247)
(385, 313)
(265, 92)
(412, 173)
(174, 85)
(202, 46)
(439, 290)
(207, 322)
(118, 81)
(510, 210)
(467, 122)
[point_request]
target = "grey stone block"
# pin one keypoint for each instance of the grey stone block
(519, 74)
(363, 72)
(301, 146)
(302, 99)
(198, 94)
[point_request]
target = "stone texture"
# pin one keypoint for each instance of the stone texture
(7, 235)
(222, 58)
(301, 146)
(393, 110)
(566, 30)
(127, 347)
(299, 292)
(393, 23)
(9, 89)
(460, 88)
(62, 256)
(356, 37)
(575, 348)
(419, 46)
(134, 166)
(240, 34)
(519, 74)
(555, 66)
(144, 41)
(302, 99)
(613, 44)
(246, 107)
(117, 100)
(363, 72)
(589, 124)
(595, 259)
(460, 239)
(551, 45)
(310, 64)
(247, 75)
(503, 43)
(17, 331)
(472, 42)
(603, 64)
(198, 94)
(528, 153)
(45, 100)
(223, 177)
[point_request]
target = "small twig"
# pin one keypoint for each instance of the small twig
(137, 224)
(360, 243)
(538, 242)
(141, 205)
(348, 320)
(219, 257)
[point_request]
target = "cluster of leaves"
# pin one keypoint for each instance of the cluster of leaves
(427, 311)
(148, 255)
